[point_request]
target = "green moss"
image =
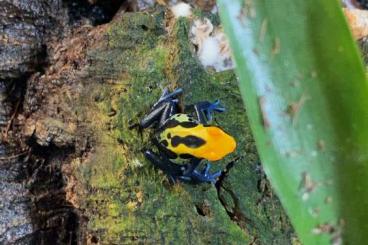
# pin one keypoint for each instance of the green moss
(214, 18)
(128, 200)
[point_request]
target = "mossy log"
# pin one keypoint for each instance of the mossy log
(125, 199)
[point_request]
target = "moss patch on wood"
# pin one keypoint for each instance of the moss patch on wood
(125, 199)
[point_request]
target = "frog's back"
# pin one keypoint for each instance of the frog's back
(169, 131)
(183, 138)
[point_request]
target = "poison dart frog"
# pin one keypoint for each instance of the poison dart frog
(185, 140)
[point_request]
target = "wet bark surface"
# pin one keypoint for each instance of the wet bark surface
(24, 26)
(33, 205)
(15, 220)
(58, 63)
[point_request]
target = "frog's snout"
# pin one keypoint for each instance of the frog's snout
(221, 144)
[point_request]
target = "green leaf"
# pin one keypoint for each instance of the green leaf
(306, 96)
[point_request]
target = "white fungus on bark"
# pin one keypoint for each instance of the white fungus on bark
(181, 10)
(213, 48)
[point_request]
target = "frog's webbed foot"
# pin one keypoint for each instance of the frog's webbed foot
(205, 175)
(205, 110)
(186, 173)
(164, 108)
(193, 175)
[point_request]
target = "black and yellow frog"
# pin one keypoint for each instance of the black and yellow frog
(184, 141)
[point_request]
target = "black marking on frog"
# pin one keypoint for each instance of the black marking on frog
(172, 123)
(165, 143)
(186, 156)
(170, 154)
(190, 141)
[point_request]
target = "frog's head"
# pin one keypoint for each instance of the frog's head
(218, 144)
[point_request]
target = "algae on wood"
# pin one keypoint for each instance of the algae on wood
(128, 201)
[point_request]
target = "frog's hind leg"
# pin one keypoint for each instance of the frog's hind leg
(186, 173)
(204, 110)
(171, 169)
(166, 96)
(153, 116)
(188, 170)
(165, 107)
(171, 108)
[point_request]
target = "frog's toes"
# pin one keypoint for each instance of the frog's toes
(207, 109)
(205, 175)
(206, 172)
(185, 178)
(214, 107)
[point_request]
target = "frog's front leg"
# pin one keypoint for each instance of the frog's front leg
(204, 110)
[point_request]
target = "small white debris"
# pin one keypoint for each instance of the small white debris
(213, 48)
(210, 52)
(314, 212)
(135, 163)
(334, 231)
(305, 196)
(307, 185)
(181, 10)
(328, 200)
(145, 4)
